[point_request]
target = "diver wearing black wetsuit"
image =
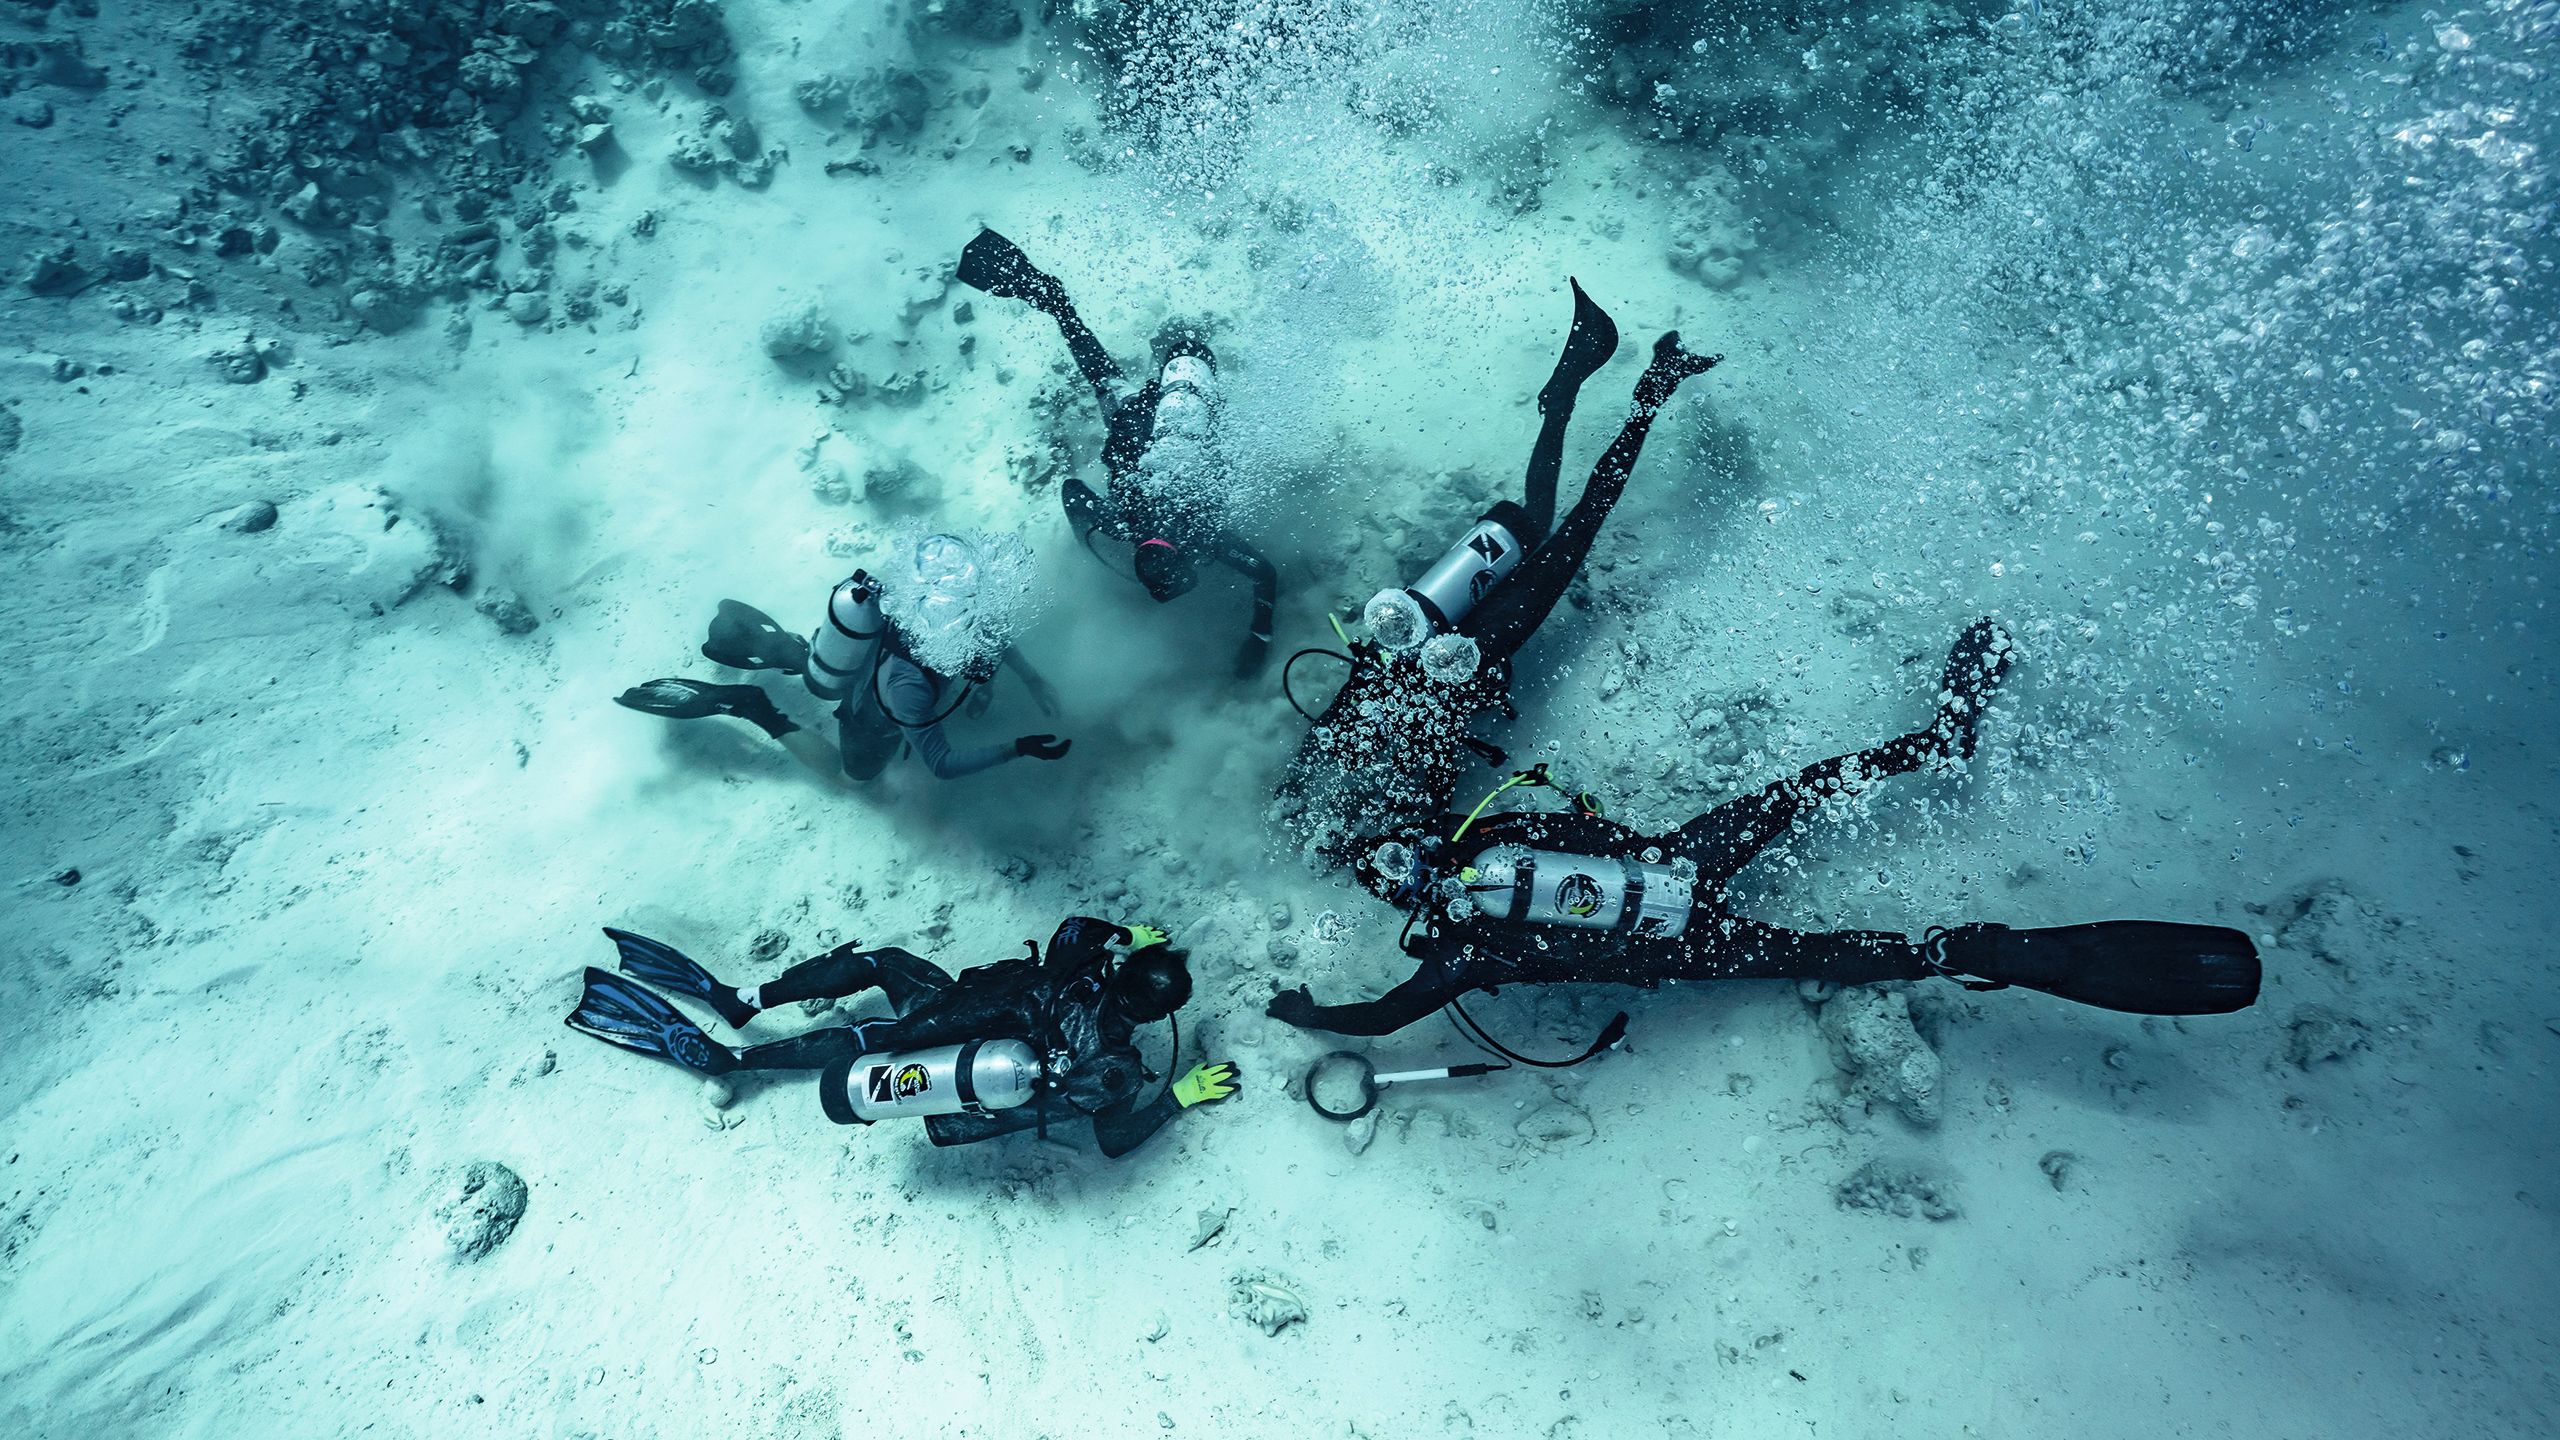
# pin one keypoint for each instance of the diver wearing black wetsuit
(1390, 748)
(1074, 1005)
(1166, 531)
(1674, 926)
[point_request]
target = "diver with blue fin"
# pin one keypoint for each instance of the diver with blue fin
(1160, 451)
(1523, 898)
(1392, 745)
(1001, 1048)
(895, 658)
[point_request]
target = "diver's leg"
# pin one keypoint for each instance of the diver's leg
(1257, 571)
(910, 981)
(1587, 347)
(1520, 604)
(1726, 838)
(1094, 362)
(840, 974)
(693, 700)
(813, 1051)
(997, 265)
(1732, 948)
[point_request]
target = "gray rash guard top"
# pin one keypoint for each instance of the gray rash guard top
(916, 699)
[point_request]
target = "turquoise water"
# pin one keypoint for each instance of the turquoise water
(388, 389)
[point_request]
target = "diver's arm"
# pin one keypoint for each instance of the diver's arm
(1430, 987)
(1085, 512)
(905, 692)
(1124, 1128)
(1250, 563)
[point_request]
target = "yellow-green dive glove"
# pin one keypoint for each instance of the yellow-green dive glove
(1142, 936)
(1208, 1080)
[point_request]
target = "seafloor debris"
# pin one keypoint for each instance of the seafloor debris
(1889, 1189)
(481, 1203)
(1265, 1299)
(1875, 1044)
(2318, 1035)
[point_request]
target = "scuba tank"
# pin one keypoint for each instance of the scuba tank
(842, 648)
(1462, 576)
(973, 1077)
(1645, 898)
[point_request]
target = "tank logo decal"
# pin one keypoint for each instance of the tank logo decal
(1578, 895)
(890, 1083)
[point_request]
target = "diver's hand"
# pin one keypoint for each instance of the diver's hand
(1293, 1007)
(1041, 747)
(1143, 937)
(1209, 1080)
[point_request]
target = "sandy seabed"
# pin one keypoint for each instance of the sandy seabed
(323, 571)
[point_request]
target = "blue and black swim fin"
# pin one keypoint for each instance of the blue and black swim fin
(620, 1012)
(668, 968)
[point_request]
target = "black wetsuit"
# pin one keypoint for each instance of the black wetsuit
(1390, 749)
(1477, 952)
(1058, 1002)
(1134, 514)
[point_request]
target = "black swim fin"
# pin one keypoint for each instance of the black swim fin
(668, 968)
(745, 638)
(620, 1012)
(997, 265)
(693, 700)
(1593, 339)
(2141, 967)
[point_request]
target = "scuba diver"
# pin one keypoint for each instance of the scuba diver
(1390, 748)
(896, 658)
(1001, 1048)
(1169, 481)
(1533, 898)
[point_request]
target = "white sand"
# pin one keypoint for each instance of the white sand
(342, 855)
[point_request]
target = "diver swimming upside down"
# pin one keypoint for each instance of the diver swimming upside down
(1394, 742)
(1527, 898)
(1167, 498)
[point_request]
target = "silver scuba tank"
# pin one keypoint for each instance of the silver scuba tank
(1462, 576)
(974, 1076)
(840, 650)
(1542, 887)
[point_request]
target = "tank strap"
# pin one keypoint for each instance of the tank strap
(1631, 906)
(964, 1075)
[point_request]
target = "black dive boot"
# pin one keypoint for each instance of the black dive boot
(1587, 347)
(2141, 967)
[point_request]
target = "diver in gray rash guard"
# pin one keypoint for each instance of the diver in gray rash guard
(868, 662)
